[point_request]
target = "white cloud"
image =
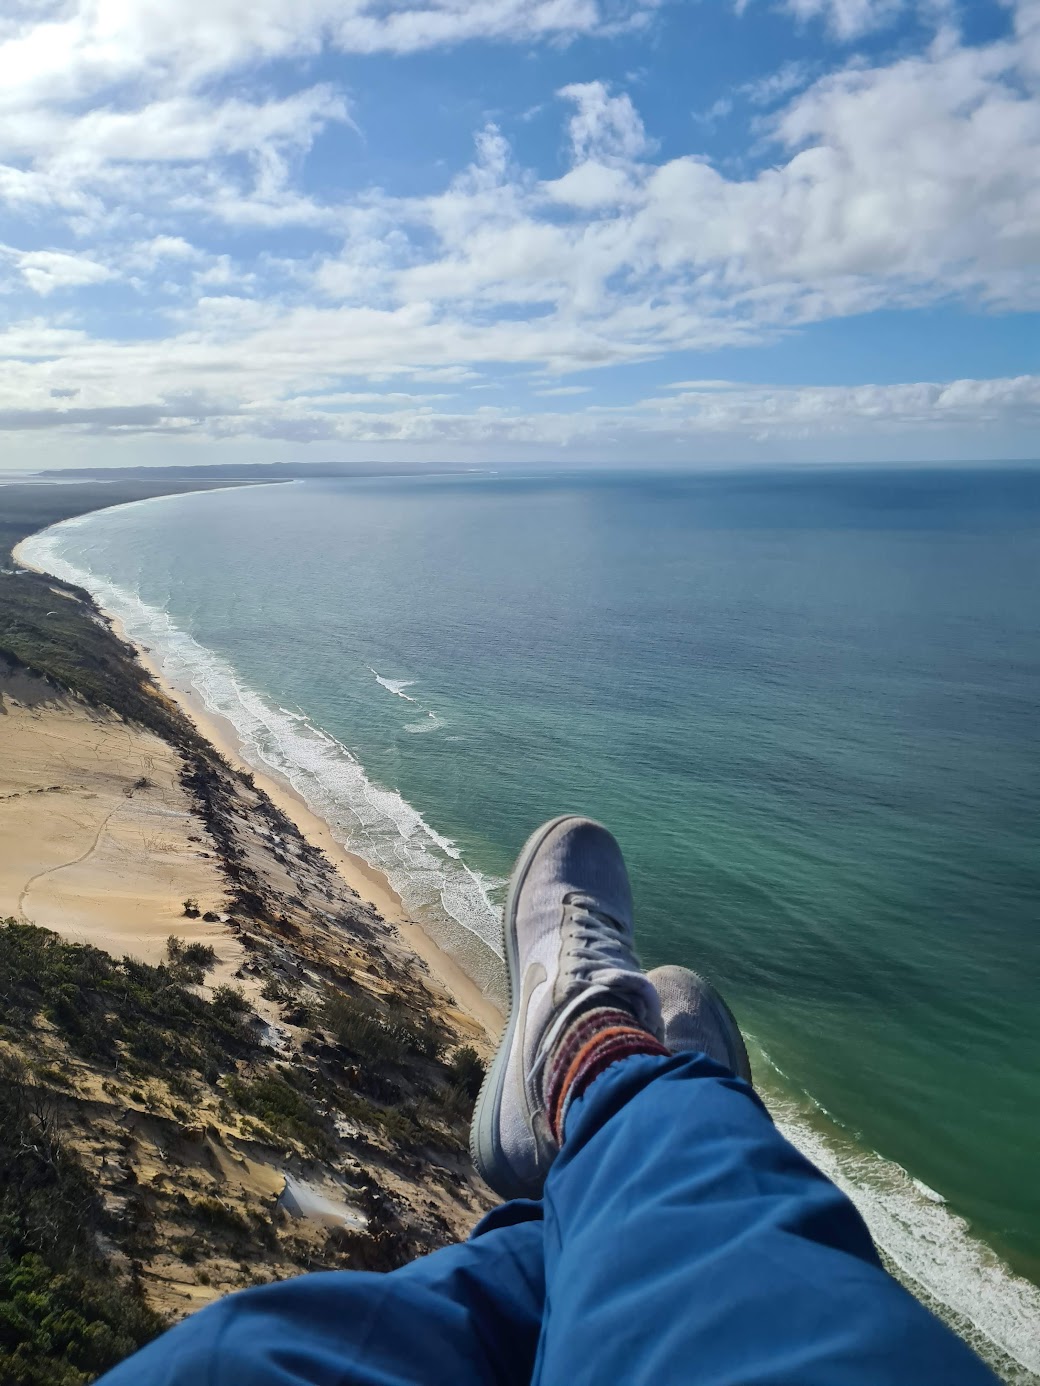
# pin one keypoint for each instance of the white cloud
(810, 410)
(48, 270)
(252, 371)
(718, 110)
(740, 423)
(60, 51)
(181, 129)
(164, 248)
(848, 19)
(910, 182)
(592, 186)
(767, 91)
(89, 89)
(902, 184)
(603, 127)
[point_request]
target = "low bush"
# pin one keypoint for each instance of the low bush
(466, 1071)
(63, 1317)
(274, 1100)
(125, 1012)
(380, 1037)
(212, 1213)
(360, 1029)
(189, 962)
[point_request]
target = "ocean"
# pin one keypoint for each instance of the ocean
(806, 702)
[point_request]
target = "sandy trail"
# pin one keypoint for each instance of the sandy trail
(98, 840)
(53, 870)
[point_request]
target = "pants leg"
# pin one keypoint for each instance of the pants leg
(687, 1241)
(467, 1315)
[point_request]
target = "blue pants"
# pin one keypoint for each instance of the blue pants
(680, 1239)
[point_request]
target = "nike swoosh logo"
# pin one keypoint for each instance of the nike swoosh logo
(533, 977)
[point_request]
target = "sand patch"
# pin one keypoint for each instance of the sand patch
(97, 836)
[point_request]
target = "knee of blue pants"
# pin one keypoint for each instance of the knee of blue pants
(684, 1235)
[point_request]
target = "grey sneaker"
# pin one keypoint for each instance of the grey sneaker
(697, 1019)
(567, 932)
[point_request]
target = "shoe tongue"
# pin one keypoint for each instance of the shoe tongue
(632, 992)
(613, 977)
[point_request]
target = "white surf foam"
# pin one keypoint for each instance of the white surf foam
(395, 686)
(432, 720)
(430, 723)
(931, 1248)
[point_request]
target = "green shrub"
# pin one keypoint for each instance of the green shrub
(211, 1212)
(189, 962)
(63, 1317)
(466, 1071)
(423, 1038)
(230, 1003)
(103, 1008)
(362, 1031)
(274, 1099)
(383, 1038)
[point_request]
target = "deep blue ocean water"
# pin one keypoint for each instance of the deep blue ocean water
(807, 703)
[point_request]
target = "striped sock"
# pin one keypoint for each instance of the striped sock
(594, 1039)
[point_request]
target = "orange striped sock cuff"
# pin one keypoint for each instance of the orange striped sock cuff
(596, 1039)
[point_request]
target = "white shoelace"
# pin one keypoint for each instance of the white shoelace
(594, 941)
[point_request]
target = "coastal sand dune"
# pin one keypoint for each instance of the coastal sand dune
(101, 841)
(98, 840)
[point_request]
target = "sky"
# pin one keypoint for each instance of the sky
(657, 232)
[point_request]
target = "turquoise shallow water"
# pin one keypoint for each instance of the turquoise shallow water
(806, 703)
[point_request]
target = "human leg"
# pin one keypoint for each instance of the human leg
(685, 1238)
(467, 1315)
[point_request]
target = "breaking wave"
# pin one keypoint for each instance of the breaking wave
(395, 686)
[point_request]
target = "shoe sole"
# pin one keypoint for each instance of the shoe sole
(742, 1068)
(484, 1147)
(730, 1028)
(737, 1060)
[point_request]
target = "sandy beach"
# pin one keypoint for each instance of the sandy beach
(134, 878)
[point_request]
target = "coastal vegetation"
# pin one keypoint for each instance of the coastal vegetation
(63, 1317)
(152, 1112)
(96, 1051)
(54, 628)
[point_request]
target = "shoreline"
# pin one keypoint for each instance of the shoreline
(211, 1003)
(367, 881)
